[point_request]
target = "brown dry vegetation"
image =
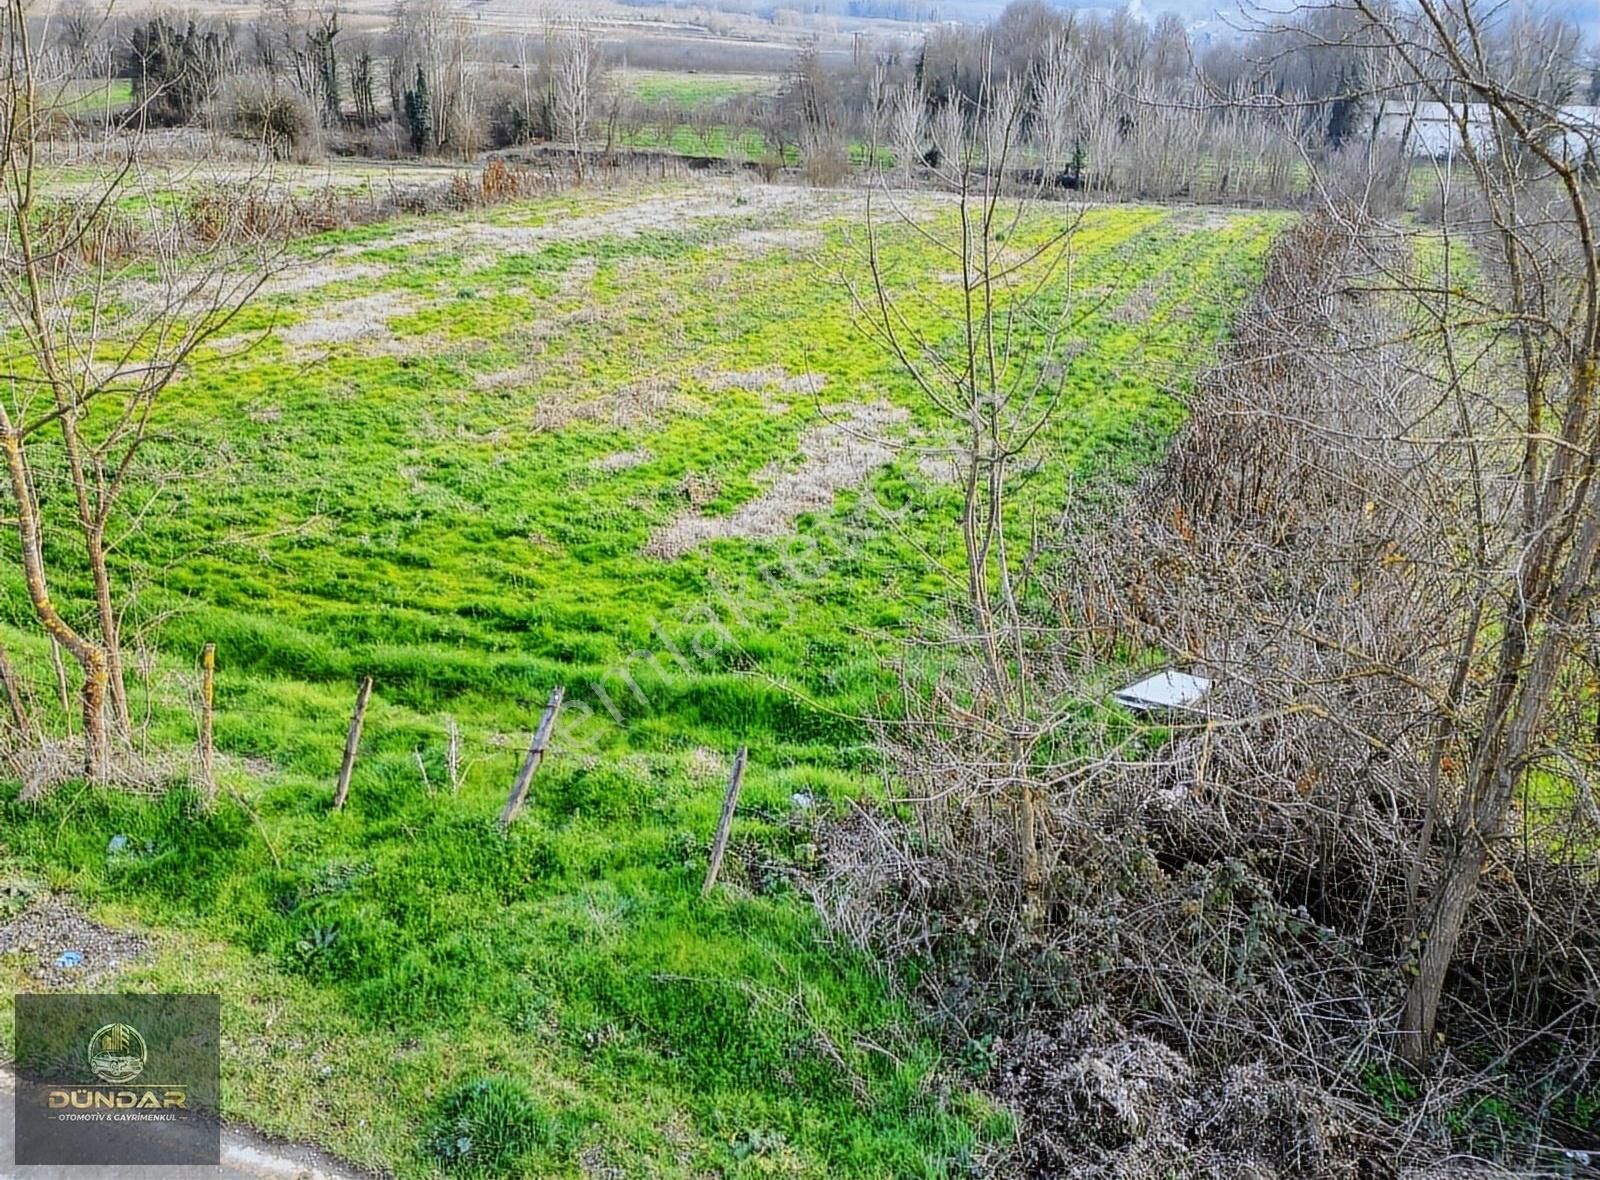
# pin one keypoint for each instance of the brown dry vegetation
(1210, 981)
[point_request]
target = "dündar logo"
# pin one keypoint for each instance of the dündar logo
(117, 1053)
(130, 1079)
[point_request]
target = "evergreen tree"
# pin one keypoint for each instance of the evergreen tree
(174, 72)
(419, 113)
(1344, 113)
(320, 44)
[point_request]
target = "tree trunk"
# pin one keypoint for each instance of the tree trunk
(1032, 869)
(97, 746)
(90, 658)
(1458, 886)
(1526, 681)
(92, 522)
(110, 632)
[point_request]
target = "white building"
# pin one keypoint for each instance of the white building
(1431, 129)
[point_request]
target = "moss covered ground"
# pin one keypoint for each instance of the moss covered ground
(441, 452)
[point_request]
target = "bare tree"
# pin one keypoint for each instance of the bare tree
(361, 68)
(1534, 553)
(432, 38)
(996, 396)
(78, 28)
(574, 69)
(100, 343)
(816, 112)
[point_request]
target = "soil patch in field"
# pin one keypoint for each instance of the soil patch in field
(639, 404)
(765, 241)
(1141, 303)
(321, 272)
(1208, 217)
(512, 378)
(652, 214)
(60, 947)
(757, 380)
(765, 380)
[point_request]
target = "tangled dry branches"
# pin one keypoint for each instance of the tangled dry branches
(1237, 888)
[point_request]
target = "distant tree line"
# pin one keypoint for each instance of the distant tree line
(297, 81)
(1124, 105)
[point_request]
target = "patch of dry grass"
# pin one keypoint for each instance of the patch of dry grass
(622, 460)
(839, 454)
(365, 320)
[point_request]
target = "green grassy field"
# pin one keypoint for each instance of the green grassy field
(637, 444)
(715, 142)
(693, 89)
(93, 97)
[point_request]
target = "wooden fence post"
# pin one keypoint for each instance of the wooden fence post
(208, 680)
(730, 801)
(530, 764)
(351, 742)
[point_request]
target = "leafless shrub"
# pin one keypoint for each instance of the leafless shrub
(1242, 881)
(278, 118)
(826, 165)
(49, 763)
(769, 166)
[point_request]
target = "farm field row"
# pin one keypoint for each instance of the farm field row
(640, 444)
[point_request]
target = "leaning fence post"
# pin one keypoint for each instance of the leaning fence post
(536, 749)
(208, 678)
(730, 801)
(351, 742)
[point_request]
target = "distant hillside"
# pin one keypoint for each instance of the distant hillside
(1203, 16)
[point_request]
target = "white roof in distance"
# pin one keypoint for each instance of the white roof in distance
(1164, 690)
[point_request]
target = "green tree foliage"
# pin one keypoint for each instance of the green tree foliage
(174, 72)
(1344, 113)
(419, 113)
(325, 63)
